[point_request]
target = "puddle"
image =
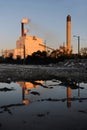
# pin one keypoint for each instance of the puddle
(43, 105)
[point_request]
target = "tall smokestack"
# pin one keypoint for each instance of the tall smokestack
(23, 21)
(22, 29)
(68, 33)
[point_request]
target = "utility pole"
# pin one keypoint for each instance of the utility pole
(24, 52)
(78, 45)
(78, 37)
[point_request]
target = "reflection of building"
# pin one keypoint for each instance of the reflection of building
(69, 92)
(24, 100)
(25, 89)
(29, 85)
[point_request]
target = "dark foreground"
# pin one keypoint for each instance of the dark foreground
(43, 97)
(43, 105)
(10, 72)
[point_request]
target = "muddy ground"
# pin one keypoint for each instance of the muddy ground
(68, 70)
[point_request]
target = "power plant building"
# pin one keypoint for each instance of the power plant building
(26, 45)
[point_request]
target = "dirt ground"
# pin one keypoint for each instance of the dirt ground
(68, 70)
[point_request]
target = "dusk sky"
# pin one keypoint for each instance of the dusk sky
(47, 21)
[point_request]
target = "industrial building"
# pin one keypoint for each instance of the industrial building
(26, 44)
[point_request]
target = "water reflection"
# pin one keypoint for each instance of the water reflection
(36, 85)
(45, 91)
(35, 102)
(69, 94)
(24, 91)
(26, 88)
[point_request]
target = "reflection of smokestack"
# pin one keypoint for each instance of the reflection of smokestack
(68, 34)
(22, 29)
(69, 97)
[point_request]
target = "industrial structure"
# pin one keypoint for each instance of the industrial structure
(27, 45)
(68, 33)
(66, 48)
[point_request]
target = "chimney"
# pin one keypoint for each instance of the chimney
(68, 33)
(22, 29)
(24, 21)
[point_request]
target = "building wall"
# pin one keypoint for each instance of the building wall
(30, 44)
(8, 53)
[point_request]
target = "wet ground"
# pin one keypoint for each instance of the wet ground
(43, 105)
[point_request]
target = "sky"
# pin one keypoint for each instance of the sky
(47, 21)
